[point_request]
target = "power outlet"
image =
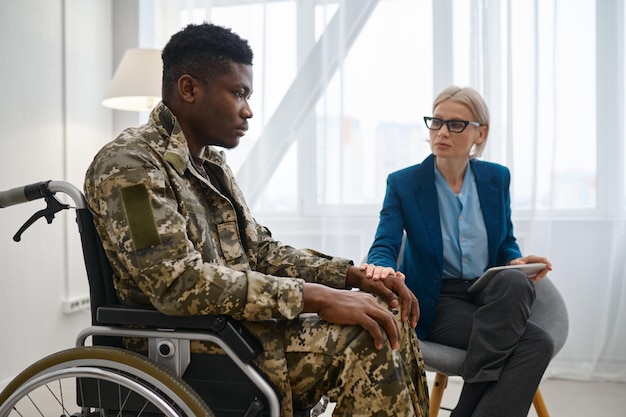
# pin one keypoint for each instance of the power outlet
(76, 304)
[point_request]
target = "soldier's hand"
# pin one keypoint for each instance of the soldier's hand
(352, 308)
(390, 288)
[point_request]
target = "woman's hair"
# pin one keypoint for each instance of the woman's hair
(475, 103)
(203, 51)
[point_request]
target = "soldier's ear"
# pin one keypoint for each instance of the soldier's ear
(187, 88)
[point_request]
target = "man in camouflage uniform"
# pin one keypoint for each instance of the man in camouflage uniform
(180, 237)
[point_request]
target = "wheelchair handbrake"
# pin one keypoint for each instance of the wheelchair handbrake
(45, 190)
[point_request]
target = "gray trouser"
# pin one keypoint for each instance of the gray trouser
(502, 345)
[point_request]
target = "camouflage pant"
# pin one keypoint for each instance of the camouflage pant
(308, 357)
(315, 358)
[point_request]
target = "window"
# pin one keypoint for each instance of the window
(369, 119)
(358, 110)
(552, 104)
(364, 123)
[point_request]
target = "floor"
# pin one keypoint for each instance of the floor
(564, 398)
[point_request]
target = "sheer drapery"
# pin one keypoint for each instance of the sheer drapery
(557, 70)
(340, 90)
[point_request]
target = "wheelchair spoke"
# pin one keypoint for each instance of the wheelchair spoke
(18, 413)
(58, 398)
(35, 405)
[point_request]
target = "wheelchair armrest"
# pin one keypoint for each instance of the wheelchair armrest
(232, 331)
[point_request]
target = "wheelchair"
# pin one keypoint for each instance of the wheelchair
(105, 379)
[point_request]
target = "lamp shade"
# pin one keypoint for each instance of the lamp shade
(136, 85)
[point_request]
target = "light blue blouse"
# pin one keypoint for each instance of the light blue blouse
(465, 251)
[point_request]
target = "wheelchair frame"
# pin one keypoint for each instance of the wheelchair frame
(168, 337)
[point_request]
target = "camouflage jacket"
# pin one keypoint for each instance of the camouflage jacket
(176, 242)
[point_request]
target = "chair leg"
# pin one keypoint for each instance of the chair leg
(441, 382)
(540, 405)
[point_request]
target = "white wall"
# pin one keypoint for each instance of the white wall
(56, 62)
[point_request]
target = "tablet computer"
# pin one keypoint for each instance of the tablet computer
(529, 269)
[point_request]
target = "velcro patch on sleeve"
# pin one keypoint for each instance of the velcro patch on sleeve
(140, 217)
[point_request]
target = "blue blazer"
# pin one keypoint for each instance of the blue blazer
(411, 206)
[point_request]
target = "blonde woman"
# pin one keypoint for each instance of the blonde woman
(455, 211)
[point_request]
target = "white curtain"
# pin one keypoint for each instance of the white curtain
(340, 91)
(557, 70)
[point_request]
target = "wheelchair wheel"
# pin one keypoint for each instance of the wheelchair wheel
(99, 381)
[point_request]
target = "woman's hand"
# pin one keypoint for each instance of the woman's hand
(378, 272)
(531, 259)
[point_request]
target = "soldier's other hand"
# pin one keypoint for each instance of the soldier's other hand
(352, 308)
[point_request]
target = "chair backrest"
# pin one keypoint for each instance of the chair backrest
(99, 272)
(549, 310)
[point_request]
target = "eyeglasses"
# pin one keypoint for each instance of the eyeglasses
(454, 126)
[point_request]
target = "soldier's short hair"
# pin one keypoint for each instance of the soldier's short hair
(203, 51)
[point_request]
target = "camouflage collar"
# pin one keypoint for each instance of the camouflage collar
(177, 152)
